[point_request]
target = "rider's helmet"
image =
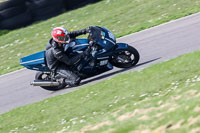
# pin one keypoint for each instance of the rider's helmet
(60, 35)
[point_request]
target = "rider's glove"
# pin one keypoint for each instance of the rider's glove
(88, 30)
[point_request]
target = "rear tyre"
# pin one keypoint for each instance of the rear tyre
(126, 58)
(45, 77)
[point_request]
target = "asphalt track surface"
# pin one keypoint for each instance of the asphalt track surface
(155, 45)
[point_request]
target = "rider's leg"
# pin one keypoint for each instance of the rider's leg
(70, 77)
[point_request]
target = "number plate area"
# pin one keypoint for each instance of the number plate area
(103, 62)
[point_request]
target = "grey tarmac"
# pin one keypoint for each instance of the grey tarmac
(155, 45)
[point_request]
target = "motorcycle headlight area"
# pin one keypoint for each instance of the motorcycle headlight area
(103, 35)
(110, 34)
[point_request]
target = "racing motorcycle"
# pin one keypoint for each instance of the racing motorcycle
(105, 53)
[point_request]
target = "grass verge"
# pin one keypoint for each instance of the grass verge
(160, 98)
(122, 17)
(3, 32)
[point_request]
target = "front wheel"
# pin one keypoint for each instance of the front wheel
(126, 58)
(46, 77)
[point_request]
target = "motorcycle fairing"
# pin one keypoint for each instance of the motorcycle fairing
(81, 41)
(35, 61)
(104, 38)
(121, 46)
(78, 45)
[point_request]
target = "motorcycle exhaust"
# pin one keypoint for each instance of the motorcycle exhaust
(44, 83)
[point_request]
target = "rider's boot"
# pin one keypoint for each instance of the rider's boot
(73, 83)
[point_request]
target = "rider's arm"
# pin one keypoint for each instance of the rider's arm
(61, 56)
(74, 34)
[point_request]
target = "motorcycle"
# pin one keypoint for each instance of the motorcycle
(105, 53)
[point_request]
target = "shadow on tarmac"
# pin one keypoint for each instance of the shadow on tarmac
(116, 72)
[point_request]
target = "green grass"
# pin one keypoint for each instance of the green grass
(160, 98)
(3, 32)
(3, 0)
(122, 17)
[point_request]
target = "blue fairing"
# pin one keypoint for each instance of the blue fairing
(77, 45)
(81, 41)
(35, 62)
(80, 45)
(121, 46)
(108, 41)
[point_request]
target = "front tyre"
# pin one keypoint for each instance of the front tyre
(46, 77)
(126, 58)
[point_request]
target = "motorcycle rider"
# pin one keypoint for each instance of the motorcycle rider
(58, 61)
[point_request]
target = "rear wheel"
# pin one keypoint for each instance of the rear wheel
(126, 58)
(46, 77)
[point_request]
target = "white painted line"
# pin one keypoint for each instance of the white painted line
(12, 72)
(172, 21)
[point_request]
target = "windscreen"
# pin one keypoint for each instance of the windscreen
(95, 34)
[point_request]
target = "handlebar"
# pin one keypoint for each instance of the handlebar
(91, 43)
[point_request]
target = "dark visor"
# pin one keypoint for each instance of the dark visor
(63, 38)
